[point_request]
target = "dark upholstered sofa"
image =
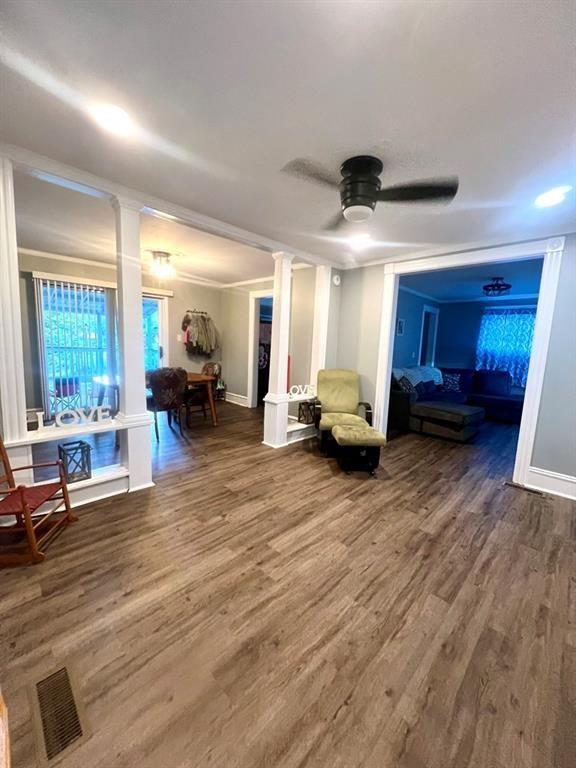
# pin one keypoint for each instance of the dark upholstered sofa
(490, 390)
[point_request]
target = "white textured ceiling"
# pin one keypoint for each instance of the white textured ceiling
(229, 92)
(466, 283)
(56, 220)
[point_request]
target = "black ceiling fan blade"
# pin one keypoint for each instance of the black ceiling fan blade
(336, 222)
(432, 190)
(308, 170)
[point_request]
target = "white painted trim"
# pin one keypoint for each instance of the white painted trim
(157, 293)
(12, 379)
(70, 259)
(276, 413)
(49, 434)
(164, 329)
(551, 251)
(515, 248)
(232, 397)
(252, 281)
(73, 279)
(154, 293)
(494, 255)
(385, 349)
(268, 278)
(431, 311)
(551, 482)
(87, 183)
(298, 432)
(143, 487)
(538, 357)
(253, 339)
(275, 445)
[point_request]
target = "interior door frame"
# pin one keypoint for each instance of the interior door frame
(432, 311)
(253, 339)
(163, 323)
(551, 251)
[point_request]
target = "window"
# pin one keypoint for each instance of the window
(505, 342)
(77, 340)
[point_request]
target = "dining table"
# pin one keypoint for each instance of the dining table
(203, 379)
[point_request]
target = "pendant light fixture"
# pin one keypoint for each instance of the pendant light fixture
(161, 266)
(497, 287)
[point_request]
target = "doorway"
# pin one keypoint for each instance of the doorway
(428, 335)
(259, 340)
(551, 252)
(154, 331)
(264, 339)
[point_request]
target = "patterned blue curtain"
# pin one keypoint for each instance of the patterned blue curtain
(505, 341)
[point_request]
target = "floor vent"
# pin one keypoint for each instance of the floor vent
(59, 721)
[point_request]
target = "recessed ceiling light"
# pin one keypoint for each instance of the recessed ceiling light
(113, 119)
(552, 197)
(360, 242)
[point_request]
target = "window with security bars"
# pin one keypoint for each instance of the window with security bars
(77, 344)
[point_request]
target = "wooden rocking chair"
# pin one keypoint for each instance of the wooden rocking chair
(31, 529)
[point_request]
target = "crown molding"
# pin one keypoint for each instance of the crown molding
(62, 174)
(182, 277)
(546, 244)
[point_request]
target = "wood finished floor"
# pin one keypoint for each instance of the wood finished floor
(261, 609)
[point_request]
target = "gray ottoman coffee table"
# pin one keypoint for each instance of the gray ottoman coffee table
(454, 421)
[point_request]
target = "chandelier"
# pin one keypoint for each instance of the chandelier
(497, 287)
(161, 266)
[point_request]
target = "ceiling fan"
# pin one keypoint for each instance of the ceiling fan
(360, 187)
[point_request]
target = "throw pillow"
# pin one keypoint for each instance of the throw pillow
(406, 385)
(451, 382)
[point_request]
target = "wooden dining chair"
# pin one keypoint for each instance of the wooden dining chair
(33, 525)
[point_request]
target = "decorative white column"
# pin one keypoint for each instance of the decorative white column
(320, 327)
(387, 333)
(276, 401)
(12, 382)
(135, 440)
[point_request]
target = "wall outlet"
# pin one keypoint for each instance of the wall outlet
(179, 337)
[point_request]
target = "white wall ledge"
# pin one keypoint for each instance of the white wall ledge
(49, 434)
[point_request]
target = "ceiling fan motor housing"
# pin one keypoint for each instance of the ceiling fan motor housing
(359, 186)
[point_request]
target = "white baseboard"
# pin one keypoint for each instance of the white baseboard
(242, 400)
(551, 482)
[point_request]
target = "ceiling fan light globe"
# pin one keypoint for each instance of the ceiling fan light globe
(357, 213)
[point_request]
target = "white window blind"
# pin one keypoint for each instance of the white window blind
(77, 341)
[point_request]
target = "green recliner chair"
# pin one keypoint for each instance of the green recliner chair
(337, 403)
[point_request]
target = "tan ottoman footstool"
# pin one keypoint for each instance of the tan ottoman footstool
(358, 448)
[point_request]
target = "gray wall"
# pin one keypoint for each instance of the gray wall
(359, 325)
(555, 442)
(190, 296)
(235, 319)
(301, 324)
(235, 313)
(333, 322)
(186, 296)
(406, 347)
